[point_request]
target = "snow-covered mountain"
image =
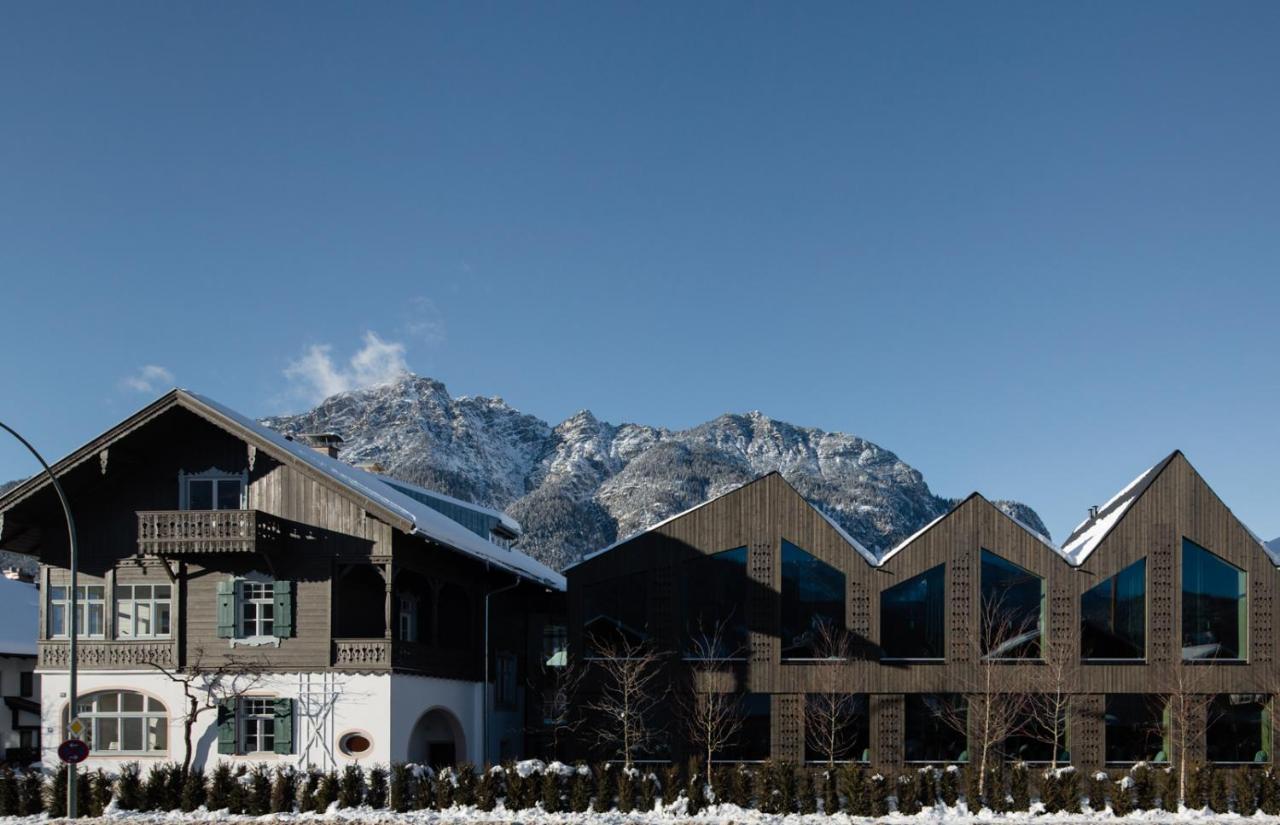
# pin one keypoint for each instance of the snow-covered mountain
(583, 483)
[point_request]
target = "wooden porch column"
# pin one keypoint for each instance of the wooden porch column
(388, 575)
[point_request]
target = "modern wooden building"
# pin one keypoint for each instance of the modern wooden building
(325, 613)
(1161, 591)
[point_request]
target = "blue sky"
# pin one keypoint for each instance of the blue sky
(1030, 248)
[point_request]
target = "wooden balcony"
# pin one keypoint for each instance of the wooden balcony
(165, 532)
(362, 654)
(386, 654)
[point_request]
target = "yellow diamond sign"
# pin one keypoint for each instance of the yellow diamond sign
(76, 728)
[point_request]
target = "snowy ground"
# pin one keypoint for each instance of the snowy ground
(715, 815)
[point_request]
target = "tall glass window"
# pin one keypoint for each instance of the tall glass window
(715, 598)
(90, 610)
(812, 596)
(1135, 729)
(1215, 606)
(912, 617)
(1239, 729)
(615, 613)
(1113, 616)
(1012, 609)
(754, 740)
(933, 728)
(143, 610)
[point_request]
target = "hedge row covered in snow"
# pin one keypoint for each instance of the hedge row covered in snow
(770, 788)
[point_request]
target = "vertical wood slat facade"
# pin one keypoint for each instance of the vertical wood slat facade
(1176, 504)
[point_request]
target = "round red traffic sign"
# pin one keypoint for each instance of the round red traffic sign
(73, 751)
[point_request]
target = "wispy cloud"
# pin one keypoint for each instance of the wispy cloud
(316, 375)
(425, 321)
(149, 378)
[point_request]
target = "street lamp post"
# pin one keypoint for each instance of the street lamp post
(71, 634)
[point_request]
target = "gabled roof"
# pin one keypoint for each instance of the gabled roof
(1090, 532)
(866, 554)
(1038, 536)
(378, 497)
(508, 523)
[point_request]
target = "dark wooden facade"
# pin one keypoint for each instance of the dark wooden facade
(349, 558)
(1175, 503)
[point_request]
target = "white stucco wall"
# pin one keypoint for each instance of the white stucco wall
(383, 707)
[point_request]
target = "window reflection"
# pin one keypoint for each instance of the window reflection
(1113, 616)
(912, 617)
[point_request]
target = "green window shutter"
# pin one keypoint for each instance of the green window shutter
(227, 726)
(284, 609)
(284, 725)
(227, 609)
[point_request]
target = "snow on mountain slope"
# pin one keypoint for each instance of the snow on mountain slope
(581, 484)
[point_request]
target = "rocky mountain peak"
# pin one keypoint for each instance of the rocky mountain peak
(582, 483)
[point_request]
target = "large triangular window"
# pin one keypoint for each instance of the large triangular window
(1012, 609)
(913, 617)
(1113, 616)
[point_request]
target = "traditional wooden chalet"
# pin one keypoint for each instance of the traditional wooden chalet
(328, 613)
(1160, 591)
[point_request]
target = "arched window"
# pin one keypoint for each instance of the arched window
(812, 605)
(1113, 616)
(122, 722)
(1012, 609)
(1215, 606)
(912, 617)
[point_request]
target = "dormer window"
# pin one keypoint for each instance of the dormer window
(212, 490)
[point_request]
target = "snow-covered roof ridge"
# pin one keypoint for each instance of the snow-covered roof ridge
(1077, 547)
(426, 521)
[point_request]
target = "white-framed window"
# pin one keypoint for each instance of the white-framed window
(143, 611)
(257, 602)
(90, 610)
(408, 618)
(212, 489)
(257, 724)
(122, 722)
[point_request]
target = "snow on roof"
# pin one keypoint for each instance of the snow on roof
(426, 521)
(917, 534)
(857, 545)
(19, 614)
(503, 519)
(1090, 532)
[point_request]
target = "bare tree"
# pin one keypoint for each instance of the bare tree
(205, 689)
(557, 684)
(831, 710)
(998, 701)
(628, 696)
(1052, 704)
(712, 714)
(1189, 707)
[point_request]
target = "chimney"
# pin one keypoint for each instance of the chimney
(327, 443)
(1093, 511)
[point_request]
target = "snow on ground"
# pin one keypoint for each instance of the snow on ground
(713, 815)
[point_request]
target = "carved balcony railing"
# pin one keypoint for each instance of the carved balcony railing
(362, 654)
(102, 654)
(162, 532)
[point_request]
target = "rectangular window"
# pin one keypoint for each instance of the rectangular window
(408, 619)
(257, 725)
(505, 681)
(143, 611)
(1135, 729)
(934, 727)
(1239, 729)
(837, 727)
(26, 684)
(257, 609)
(215, 493)
(555, 645)
(90, 610)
